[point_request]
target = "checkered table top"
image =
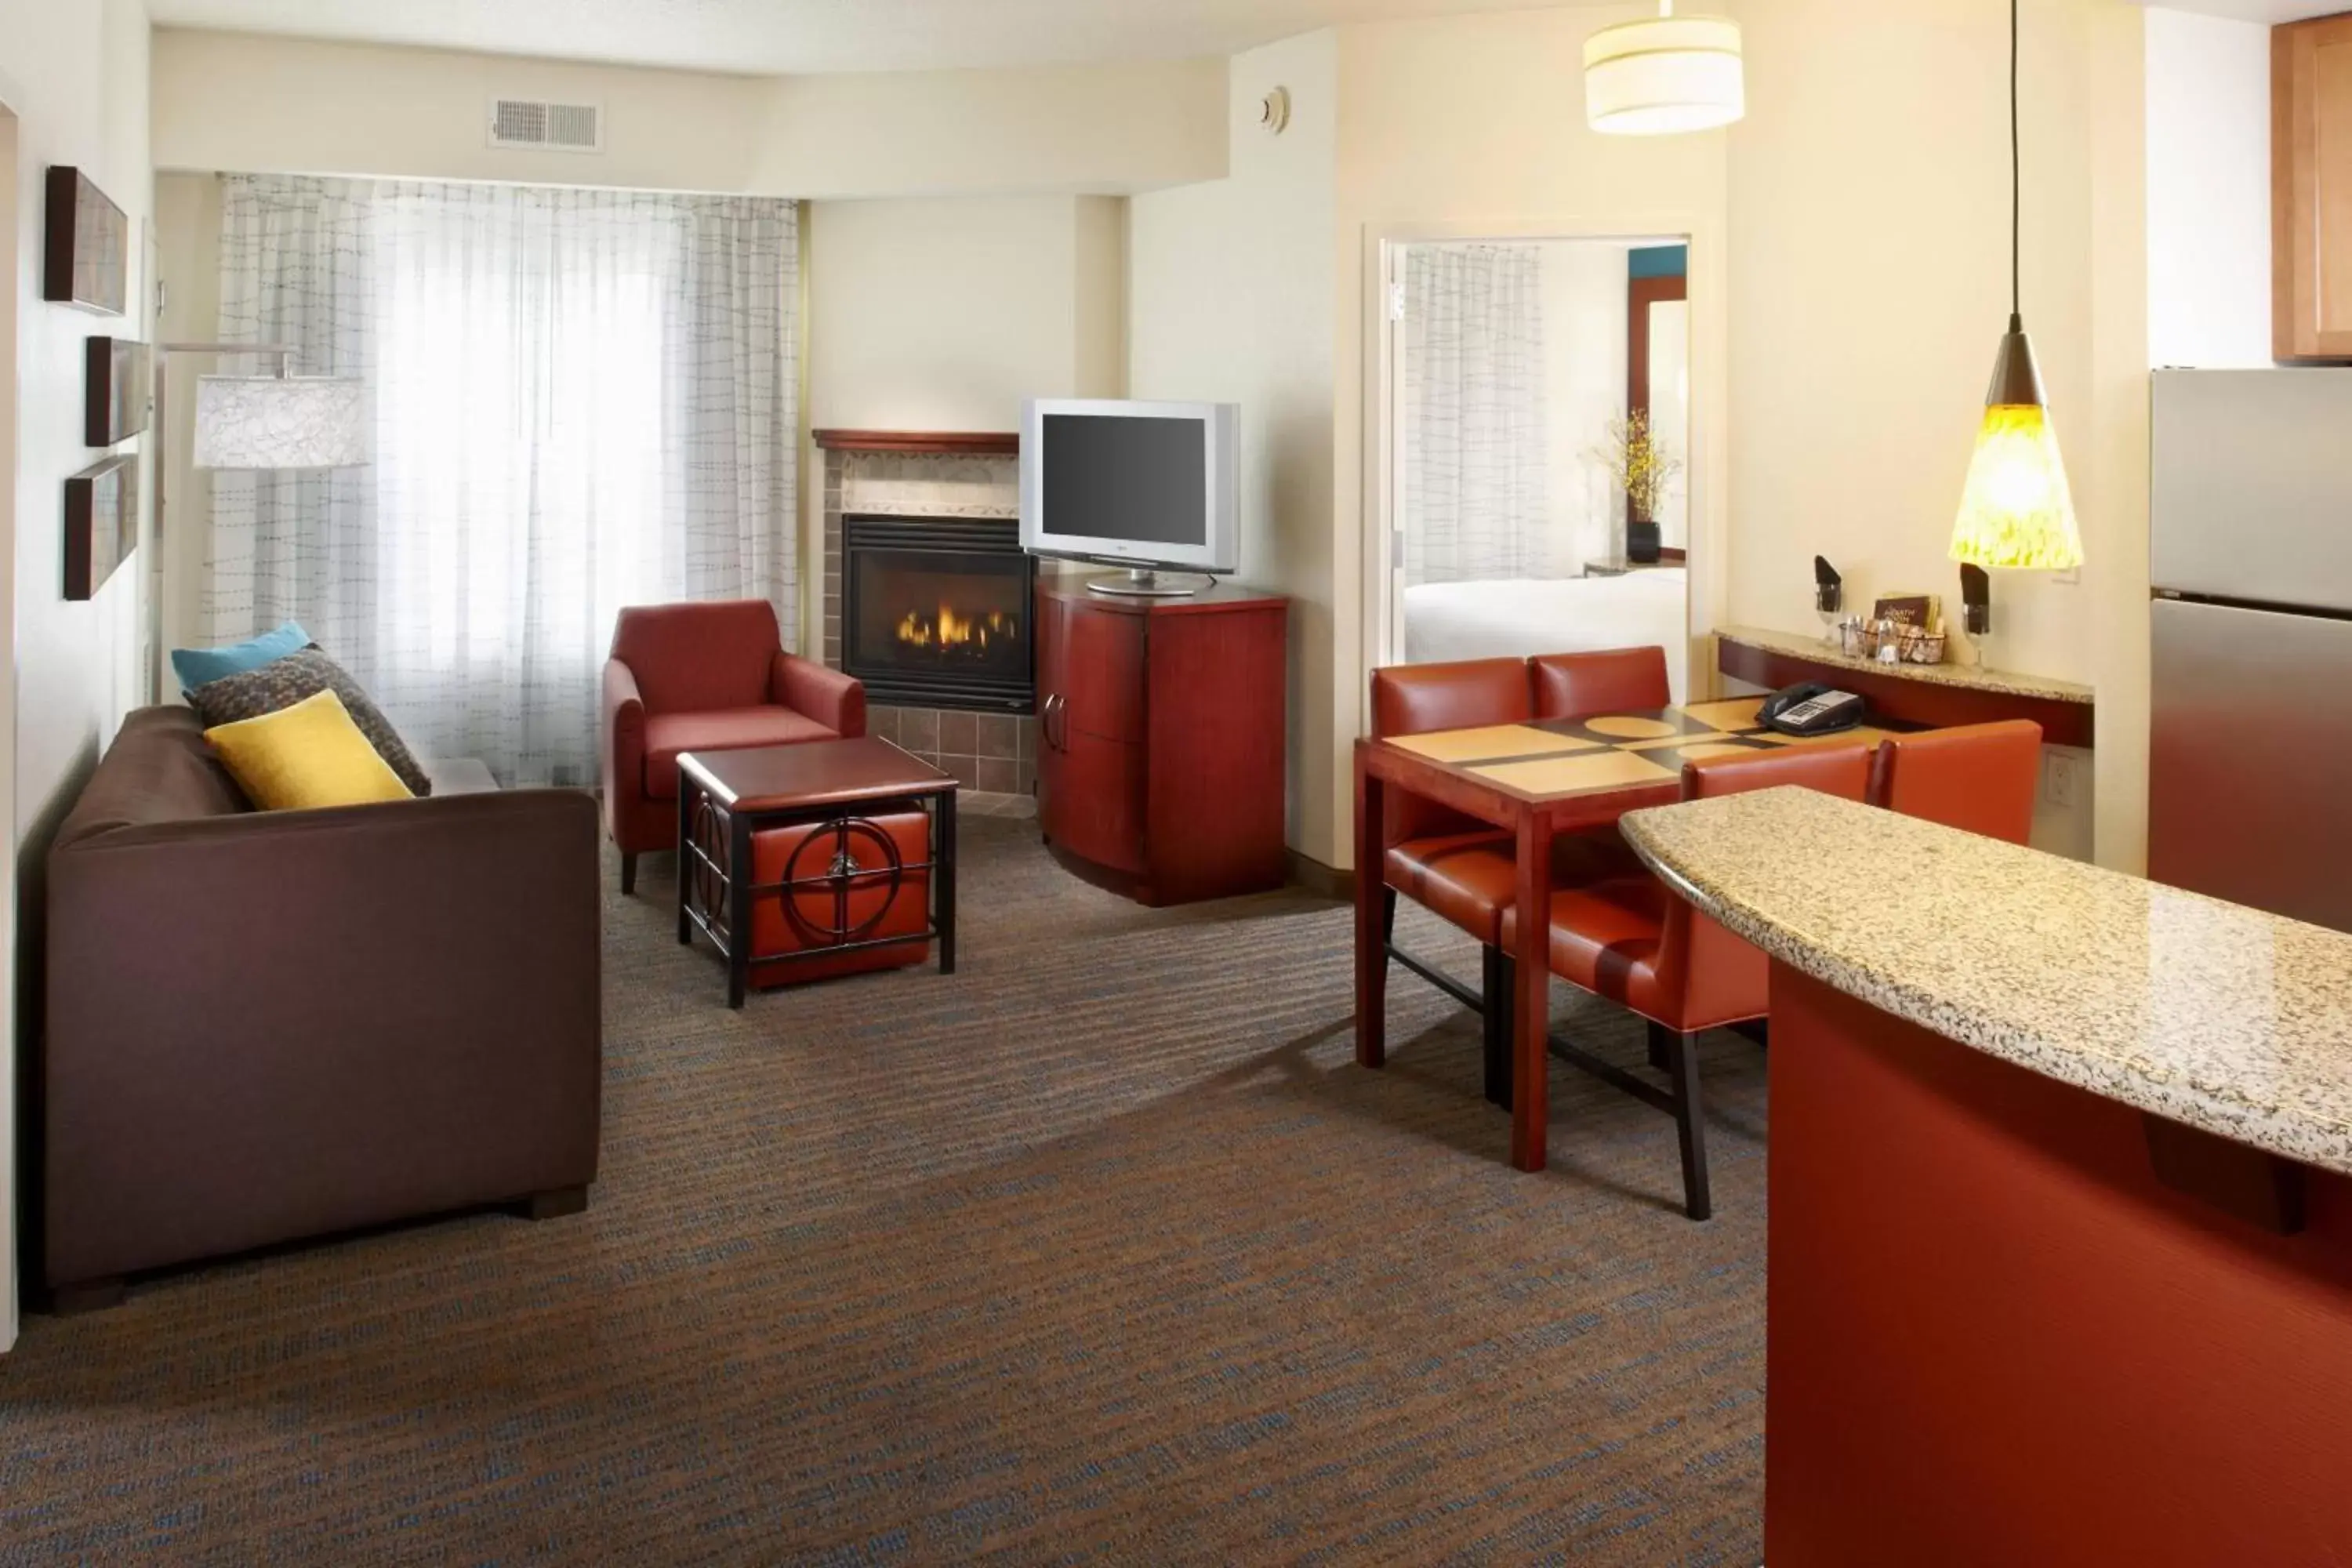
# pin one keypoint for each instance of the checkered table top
(1612, 751)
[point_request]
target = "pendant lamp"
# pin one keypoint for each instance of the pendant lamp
(2016, 510)
(1663, 74)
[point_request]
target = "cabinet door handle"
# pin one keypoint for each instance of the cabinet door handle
(1045, 721)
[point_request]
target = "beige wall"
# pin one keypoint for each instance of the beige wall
(1869, 201)
(74, 76)
(1586, 326)
(2208, 191)
(187, 260)
(1230, 296)
(1848, 285)
(1475, 126)
(946, 314)
(230, 101)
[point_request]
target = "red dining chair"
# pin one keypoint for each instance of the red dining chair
(1631, 939)
(1440, 858)
(1978, 777)
(1610, 681)
(1465, 870)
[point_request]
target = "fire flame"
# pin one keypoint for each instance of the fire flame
(950, 630)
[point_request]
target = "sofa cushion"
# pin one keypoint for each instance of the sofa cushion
(282, 683)
(199, 666)
(461, 775)
(305, 757)
(727, 730)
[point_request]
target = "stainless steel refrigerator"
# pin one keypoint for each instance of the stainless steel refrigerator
(2251, 762)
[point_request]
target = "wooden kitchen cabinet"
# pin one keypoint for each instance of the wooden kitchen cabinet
(2311, 189)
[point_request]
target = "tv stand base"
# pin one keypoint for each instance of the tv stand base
(1141, 583)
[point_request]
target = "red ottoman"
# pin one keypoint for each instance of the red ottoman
(841, 852)
(877, 886)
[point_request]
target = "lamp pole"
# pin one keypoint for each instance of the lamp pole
(283, 354)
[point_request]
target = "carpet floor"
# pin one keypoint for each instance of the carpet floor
(1100, 1250)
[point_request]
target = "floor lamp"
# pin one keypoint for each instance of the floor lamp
(253, 423)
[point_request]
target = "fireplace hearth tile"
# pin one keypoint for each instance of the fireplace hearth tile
(965, 770)
(1000, 776)
(882, 723)
(998, 735)
(959, 733)
(918, 730)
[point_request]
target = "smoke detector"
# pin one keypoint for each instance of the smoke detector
(1274, 110)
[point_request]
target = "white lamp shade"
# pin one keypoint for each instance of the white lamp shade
(1664, 75)
(281, 422)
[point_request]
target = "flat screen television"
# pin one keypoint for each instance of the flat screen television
(1146, 485)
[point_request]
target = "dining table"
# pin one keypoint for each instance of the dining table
(1536, 779)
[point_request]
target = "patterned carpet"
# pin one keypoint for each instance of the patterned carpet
(1101, 1250)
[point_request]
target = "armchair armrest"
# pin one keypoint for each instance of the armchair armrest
(834, 699)
(624, 732)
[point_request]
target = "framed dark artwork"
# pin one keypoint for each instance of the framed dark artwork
(101, 522)
(117, 394)
(87, 251)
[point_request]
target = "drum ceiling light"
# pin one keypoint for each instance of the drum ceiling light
(1664, 75)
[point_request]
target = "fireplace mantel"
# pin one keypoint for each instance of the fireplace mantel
(922, 443)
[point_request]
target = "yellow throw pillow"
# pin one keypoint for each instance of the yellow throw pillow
(308, 755)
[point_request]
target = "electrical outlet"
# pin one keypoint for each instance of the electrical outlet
(2058, 779)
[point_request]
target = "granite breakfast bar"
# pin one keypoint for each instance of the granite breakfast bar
(2060, 1237)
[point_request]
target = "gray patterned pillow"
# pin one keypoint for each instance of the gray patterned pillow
(283, 682)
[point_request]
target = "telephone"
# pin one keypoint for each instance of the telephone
(1811, 709)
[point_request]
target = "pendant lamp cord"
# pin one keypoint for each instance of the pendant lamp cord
(2016, 189)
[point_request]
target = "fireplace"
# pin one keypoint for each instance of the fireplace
(936, 611)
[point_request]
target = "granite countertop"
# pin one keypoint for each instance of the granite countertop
(2204, 1012)
(1800, 644)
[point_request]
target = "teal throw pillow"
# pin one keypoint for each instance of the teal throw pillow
(202, 666)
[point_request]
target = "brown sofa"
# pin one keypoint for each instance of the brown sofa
(263, 1026)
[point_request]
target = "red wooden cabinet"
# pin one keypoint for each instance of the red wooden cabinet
(1160, 735)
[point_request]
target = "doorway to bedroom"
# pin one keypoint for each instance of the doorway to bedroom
(1539, 447)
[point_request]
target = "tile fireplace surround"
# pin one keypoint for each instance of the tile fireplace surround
(992, 755)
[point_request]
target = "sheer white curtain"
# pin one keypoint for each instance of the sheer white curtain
(582, 399)
(1476, 502)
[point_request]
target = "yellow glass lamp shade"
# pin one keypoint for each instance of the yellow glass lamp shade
(2016, 510)
(1664, 75)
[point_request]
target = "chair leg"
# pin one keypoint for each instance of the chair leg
(1690, 1122)
(628, 873)
(1388, 914)
(1661, 1048)
(1496, 1024)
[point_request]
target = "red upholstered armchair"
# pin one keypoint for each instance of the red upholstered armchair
(703, 678)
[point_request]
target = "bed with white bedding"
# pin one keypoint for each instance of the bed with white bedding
(1444, 621)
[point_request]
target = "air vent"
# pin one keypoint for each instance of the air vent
(547, 127)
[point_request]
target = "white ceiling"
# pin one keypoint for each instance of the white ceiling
(2272, 11)
(804, 35)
